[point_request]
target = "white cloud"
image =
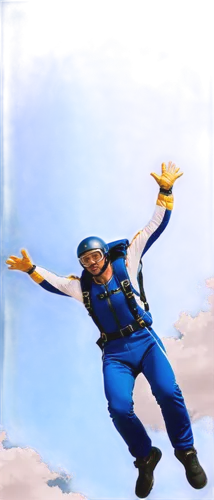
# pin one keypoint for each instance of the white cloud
(192, 360)
(24, 475)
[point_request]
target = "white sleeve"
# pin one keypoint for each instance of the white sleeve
(144, 239)
(68, 286)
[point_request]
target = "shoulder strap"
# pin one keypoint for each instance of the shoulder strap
(120, 270)
(86, 283)
(140, 282)
(118, 249)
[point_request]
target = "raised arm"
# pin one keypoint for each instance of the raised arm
(164, 205)
(49, 281)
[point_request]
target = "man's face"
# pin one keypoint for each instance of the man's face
(93, 261)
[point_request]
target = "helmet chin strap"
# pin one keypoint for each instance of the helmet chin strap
(107, 260)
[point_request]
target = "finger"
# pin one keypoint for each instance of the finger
(11, 266)
(179, 175)
(170, 167)
(163, 167)
(24, 253)
(156, 176)
(14, 257)
(177, 170)
(11, 260)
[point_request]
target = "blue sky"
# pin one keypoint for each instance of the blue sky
(95, 98)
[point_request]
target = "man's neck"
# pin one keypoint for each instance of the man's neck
(104, 277)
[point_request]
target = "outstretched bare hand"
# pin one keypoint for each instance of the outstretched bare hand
(20, 264)
(168, 176)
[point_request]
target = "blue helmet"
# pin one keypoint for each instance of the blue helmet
(92, 243)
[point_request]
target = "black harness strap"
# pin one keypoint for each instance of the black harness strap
(86, 288)
(142, 291)
(120, 270)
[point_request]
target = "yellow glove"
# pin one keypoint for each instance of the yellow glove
(168, 176)
(20, 264)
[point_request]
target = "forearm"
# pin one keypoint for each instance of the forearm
(35, 276)
(165, 199)
(148, 235)
(56, 284)
(39, 278)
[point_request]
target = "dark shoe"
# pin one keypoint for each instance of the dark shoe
(146, 466)
(194, 472)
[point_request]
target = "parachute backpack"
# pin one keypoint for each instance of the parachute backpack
(117, 256)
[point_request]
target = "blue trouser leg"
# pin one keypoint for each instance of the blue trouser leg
(119, 383)
(159, 373)
(122, 362)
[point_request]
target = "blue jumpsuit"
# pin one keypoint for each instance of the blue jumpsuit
(123, 360)
(126, 357)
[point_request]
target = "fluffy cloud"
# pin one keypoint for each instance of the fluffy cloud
(191, 357)
(24, 475)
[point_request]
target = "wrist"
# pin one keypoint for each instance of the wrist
(165, 200)
(31, 270)
(166, 192)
